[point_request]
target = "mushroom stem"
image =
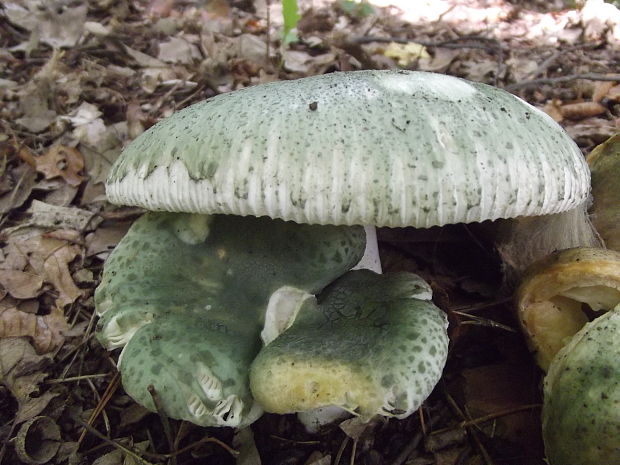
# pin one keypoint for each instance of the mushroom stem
(371, 259)
(525, 240)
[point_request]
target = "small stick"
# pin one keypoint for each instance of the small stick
(107, 395)
(341, 450)
(164, 420)
(489, 417)
(560, 79)
(103, 437)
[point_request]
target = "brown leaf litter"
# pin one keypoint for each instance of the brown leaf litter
(78, 82)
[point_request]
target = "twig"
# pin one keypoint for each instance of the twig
(76, 378)
(164, 419)
(102, 403)
(136, 455)
(489, 417)
(561, 79)
(353, 452)
(204, 440)
(341, 450)
(268, 48)
(415, 442)
(409, 448)
(293, 441)
(470, 430)
(482, 305)
(480, 321)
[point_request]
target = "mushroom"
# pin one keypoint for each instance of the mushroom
(558, 293)
(371, 148)
(185, 295)
(604, 162)
(369, 344)
(581, 409)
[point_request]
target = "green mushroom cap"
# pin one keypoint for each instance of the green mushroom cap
(383, 148)
(186, 296)
(370, 344)
(581, 411)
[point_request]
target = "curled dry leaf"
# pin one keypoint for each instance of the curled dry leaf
(601, 89)
(21, 284)
(21, 368)
(48, 258)
(20, 182)
(406, 54)
(58, 161)
(38, 440)
(582, 110)
(45, 331)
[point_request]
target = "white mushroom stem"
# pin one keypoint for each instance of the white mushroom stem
(527, 239)
(371, 260)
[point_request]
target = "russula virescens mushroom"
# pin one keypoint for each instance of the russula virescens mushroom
(557, 293)
(372, 148)
(581, 409)
(604, 162)
(186, 294)
(370, 344)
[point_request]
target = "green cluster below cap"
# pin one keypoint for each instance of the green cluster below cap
(185, 295)
(368, 344)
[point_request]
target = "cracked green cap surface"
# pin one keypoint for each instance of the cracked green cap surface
(185, 296)
(384, 148)
(581, 411)
(370, 344)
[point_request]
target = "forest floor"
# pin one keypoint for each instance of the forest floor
(80, 79)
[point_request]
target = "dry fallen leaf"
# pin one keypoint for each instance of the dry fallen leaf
(406, 54)
(21, 181)
(553, 109)
(56, 26)
(601, 89)
(178, 50)
(20, 284)
(58, 161)
(582, 110)
(45, 331)
(52, 216)
(49, 258)
(20, 366)
(105, 238)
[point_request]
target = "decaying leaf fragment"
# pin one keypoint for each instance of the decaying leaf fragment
(21, 284)
(45, 331)
(47, 257)
(58, 161)
(406, 54)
